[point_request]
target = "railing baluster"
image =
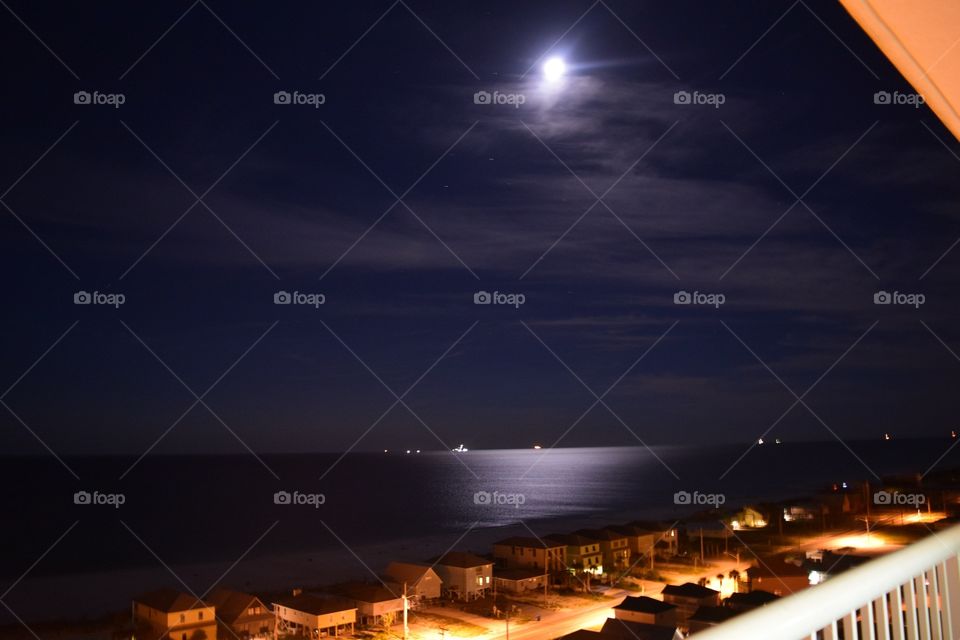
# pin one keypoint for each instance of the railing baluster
(910, 611)
(896, 613)
(951, 596)
(883, 617)
(866, 622)
(923, 608)
(850, 626)
(936, 619)
(830, 631)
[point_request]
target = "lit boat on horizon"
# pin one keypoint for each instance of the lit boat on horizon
(460, 449)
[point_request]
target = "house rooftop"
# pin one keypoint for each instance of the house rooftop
(834, 563)
(627, 630)
(170, 601)
(756, 598)
(365, 592)
(713, 615)
(316, 605)
(644, 604)
(408, 571)
(688, 590)
(776, 567)
(571, 539)
(232, 604)
(462, 560)
(631, 530)
(584, 634)
(528, 542)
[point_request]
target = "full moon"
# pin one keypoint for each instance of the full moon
(554, 68)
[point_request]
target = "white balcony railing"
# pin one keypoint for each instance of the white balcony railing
(911, 594)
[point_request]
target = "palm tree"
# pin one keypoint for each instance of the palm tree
(735, 576)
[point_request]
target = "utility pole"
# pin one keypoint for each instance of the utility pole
(406, 628)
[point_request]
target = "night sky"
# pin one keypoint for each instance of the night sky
(597, 199)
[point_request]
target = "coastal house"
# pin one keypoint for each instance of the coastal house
(584, 634)
(830, 564)
(465, 576)
(583, 553)
(746, 518)
(615, 628)
(711, 528)
(375, 603)
(245, 614)
(742, 602)
(167, 614)
(666, 540)
(418, 580)
(521, 552)
(712, 536)
(779, 574)
(641, 542)
(614, 548)
(802, 510)
(706, 617)
(646, 610)
(310, 615)
(689, 597)
(520, 580)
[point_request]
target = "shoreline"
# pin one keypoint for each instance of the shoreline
(90, 596)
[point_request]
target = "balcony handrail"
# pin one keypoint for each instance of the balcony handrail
(802, 614)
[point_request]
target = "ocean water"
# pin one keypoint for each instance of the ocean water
(181, 511)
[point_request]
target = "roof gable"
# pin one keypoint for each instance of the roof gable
(170, 601)
(688, 590)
